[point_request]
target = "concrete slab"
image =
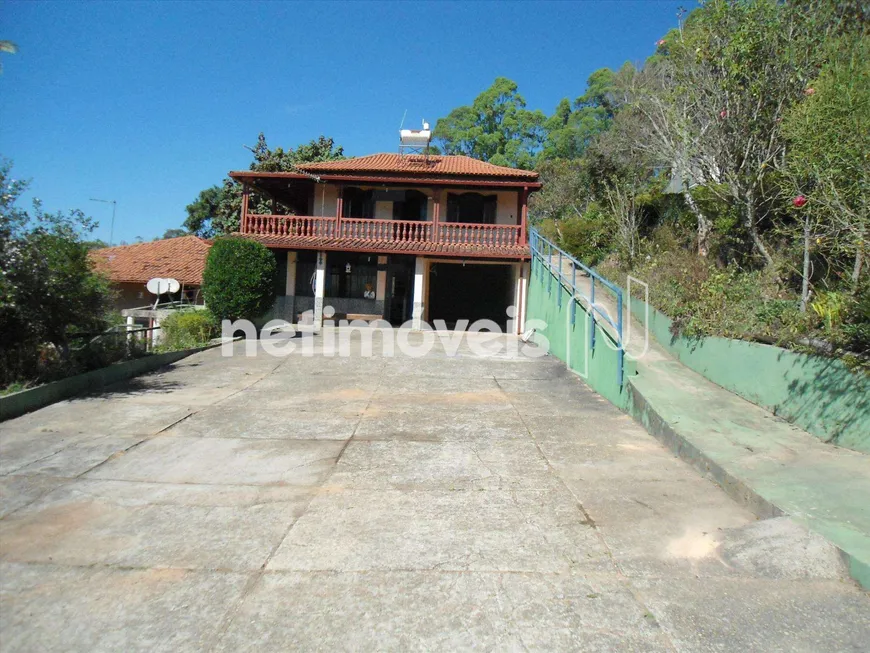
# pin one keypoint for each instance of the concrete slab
(59, 608)
(413, 465)
(473, 530)
(430, 423)
(95, 416)
(759, 615)
(483, 400)
(141, 525)
(79, 457)
(224, 461)
(428, 611)
(552, 397)
(18, 491)
(268, 424)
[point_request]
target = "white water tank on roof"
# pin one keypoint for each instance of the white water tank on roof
(416, 137)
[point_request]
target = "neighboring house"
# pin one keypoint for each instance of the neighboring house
(130, 267)
(398, 237)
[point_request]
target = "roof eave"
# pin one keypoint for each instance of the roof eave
(440, 180)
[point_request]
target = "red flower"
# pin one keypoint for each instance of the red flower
(723, 114)
(799, 201)
(660, 42)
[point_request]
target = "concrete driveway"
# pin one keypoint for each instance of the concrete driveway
(353, 503)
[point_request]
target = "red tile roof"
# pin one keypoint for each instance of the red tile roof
(418, 165)
(173, 258)
(416, 248)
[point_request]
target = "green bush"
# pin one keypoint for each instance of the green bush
(187, 329)
(239, 279)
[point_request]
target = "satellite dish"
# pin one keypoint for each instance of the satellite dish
(158, 286)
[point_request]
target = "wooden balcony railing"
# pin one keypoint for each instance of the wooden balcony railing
(385, 231)
(392, 231)
(483, 235)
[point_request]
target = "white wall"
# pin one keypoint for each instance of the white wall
(383, 210)
(325, 200)
(506, 213)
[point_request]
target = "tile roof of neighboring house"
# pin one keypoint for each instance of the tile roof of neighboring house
(417, 164)
(173, 258)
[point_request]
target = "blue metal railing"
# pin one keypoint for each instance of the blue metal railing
(541, 247)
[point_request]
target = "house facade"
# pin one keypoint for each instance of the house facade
(398, 237)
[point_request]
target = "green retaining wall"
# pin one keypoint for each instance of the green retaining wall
(570, 343)
(820, 395)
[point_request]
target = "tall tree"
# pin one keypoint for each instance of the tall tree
(712, 102)
(827, 164)
(570, 131)
(216, 210)
(48, 290)
(173, 233)
(496, 127)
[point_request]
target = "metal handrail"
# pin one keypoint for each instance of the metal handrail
(537, 245)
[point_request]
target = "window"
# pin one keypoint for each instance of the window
(358, 203)
(411, 205)
(351, 275)
(472, 207)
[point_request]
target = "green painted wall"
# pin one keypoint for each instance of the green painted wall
(570, 343)
(821, 395)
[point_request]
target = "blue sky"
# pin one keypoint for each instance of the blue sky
(148, 103)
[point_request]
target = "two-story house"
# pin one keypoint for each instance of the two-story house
(396, 236)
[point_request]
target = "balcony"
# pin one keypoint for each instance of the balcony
(387, 236)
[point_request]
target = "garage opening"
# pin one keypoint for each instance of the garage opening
(470, 291)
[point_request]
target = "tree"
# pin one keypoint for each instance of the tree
(216, 210)
(496, 127)
(48, 289)
(570, 131)
(829, 136)
(711, 103)
(173, 233)
(239, 279)
(203, 211)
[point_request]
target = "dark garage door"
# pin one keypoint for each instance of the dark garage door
(471, 291)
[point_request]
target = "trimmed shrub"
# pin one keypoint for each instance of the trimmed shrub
(239, 279)
(188, 329)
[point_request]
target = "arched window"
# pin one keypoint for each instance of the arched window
(471, 207)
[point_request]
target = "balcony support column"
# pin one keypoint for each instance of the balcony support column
(339, 209)
(523, 212)
(319, 290)
(520, 290)
(418, 297)
(246, 192)
(436, 214)
(381, 284)
(290, 280)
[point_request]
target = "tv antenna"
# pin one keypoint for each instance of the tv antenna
(114, 208)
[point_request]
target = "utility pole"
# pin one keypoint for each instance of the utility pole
(112, 227)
